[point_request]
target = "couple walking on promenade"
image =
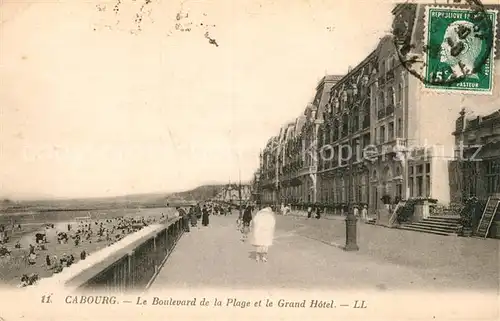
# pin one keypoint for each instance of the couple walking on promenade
(261, 229)
(191, 218)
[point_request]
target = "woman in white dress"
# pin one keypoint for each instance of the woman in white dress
(263, 224)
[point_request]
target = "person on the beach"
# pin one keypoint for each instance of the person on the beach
(57, 265)
(264, 224)
(32, 258)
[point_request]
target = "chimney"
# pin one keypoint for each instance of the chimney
(349, 69)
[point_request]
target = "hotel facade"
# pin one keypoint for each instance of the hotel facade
(373, 136)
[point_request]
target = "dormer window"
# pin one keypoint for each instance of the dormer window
(364, 80)
(336, 104)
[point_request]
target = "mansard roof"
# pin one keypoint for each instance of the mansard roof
(272, 142)
(328, 78)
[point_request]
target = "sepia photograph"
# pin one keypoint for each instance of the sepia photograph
(285, 159)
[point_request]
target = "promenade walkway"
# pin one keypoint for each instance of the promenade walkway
(306, 255)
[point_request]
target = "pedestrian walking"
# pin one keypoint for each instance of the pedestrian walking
(198, 211)
(184, 217)
(309, 212)
(246, 219)
(263, 224)
(364, 213)
(192, 217)
(318, 212)
(204, 218)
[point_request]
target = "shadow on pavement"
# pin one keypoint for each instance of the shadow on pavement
(252, 255)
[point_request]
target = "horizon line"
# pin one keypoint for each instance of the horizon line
(42, 197)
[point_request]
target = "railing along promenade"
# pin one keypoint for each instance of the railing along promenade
(132, 264)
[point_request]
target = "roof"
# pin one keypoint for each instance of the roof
(328, 78)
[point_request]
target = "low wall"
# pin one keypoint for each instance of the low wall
(130, 266)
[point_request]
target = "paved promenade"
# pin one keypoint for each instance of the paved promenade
(306, 255)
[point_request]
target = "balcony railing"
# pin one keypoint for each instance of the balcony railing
(393, 146)
(307, 170)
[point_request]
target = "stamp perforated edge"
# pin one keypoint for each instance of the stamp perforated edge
(493, 49)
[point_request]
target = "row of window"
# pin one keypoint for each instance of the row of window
(419, 183)
(419, 180)
(340, 130)
(384, 134)
(389, 97)
(337, 193)
(385, 98)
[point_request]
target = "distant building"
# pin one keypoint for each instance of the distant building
(288, 172)
(230, 193)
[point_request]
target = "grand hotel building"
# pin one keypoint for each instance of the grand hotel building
(371, 134)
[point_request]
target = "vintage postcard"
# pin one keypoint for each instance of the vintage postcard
(235, 160)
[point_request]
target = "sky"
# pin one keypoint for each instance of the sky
(90, 106)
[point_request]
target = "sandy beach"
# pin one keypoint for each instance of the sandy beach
(13, 266)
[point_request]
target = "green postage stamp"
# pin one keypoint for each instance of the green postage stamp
(460, 49)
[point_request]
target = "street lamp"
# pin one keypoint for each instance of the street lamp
(239, 190)
(350, 91)
(351, 220)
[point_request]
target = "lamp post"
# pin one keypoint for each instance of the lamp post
(351, 219)
(277, 179)
(239, 191)
(259, 177)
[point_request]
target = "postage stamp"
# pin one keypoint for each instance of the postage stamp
(460, 48)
